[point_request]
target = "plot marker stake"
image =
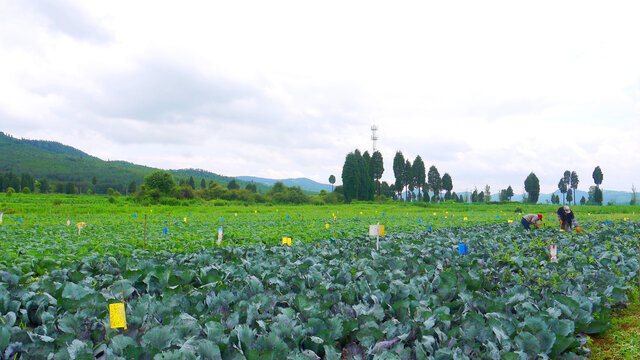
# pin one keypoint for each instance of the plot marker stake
(144, 240)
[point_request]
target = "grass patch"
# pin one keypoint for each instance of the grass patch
(622, 341)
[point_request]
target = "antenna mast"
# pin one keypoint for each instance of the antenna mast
(374, 136)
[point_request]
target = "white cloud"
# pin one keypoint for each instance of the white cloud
(485, 91)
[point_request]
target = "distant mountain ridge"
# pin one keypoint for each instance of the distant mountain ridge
(303, 183)
(62, 163)
(609, 196)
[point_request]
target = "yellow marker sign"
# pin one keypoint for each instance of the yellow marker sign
(151, 210)
(435, 213)
(286, 241)
(80, 226)
(509, 221)
(255, 211)
(465, 218)
(326, 226)
(185, 219)
(236, 214)
(360, 212)
(381, 230)
(117, 316)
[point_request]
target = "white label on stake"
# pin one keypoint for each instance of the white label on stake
(220, 234)
(374, 230)
(553, 253)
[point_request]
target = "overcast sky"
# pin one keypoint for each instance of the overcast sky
(486, 91)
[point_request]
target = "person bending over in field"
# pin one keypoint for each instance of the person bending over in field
(531, 219)
(567, 219)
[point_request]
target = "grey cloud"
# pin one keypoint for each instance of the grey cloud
(65, 17)
(161, 92)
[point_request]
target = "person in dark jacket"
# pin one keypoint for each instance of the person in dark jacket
(567, 219)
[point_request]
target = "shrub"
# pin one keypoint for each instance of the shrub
(112, 200)
(169, 201)
(10, 191)
(26, 190)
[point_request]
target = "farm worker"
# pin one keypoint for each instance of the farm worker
(531, 219)
(567, 219)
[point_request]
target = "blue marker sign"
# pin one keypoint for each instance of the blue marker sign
(462, 249)
(165, 231)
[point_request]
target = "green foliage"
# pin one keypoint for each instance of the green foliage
(418, 175)
(10, 191)
(26, 190)
(160, 180)
(69, 188)
(435, 183)
(562, 186)
(336, 298)
(252, 187)
(233, 185)
(132, 187)
(532, 187)
(597, 176)
(377, 167)
(350, 177)
(399, 168)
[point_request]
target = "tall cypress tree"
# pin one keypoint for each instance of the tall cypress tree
(407, 179)
(398, 172)
(532, 186)
(434, 182)
(367, 177)
(418, 175)
(350, 178)
(447, 184)
(574, 184)
(377, 168)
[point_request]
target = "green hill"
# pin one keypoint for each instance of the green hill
(61, 163)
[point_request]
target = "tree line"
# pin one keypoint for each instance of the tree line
(161, 187)
(361, 174)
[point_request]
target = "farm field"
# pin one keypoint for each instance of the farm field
(329, 295)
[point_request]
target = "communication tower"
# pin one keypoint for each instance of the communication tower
(374, 136)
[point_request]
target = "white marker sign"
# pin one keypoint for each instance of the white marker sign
(553, 253)
(220, 234)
